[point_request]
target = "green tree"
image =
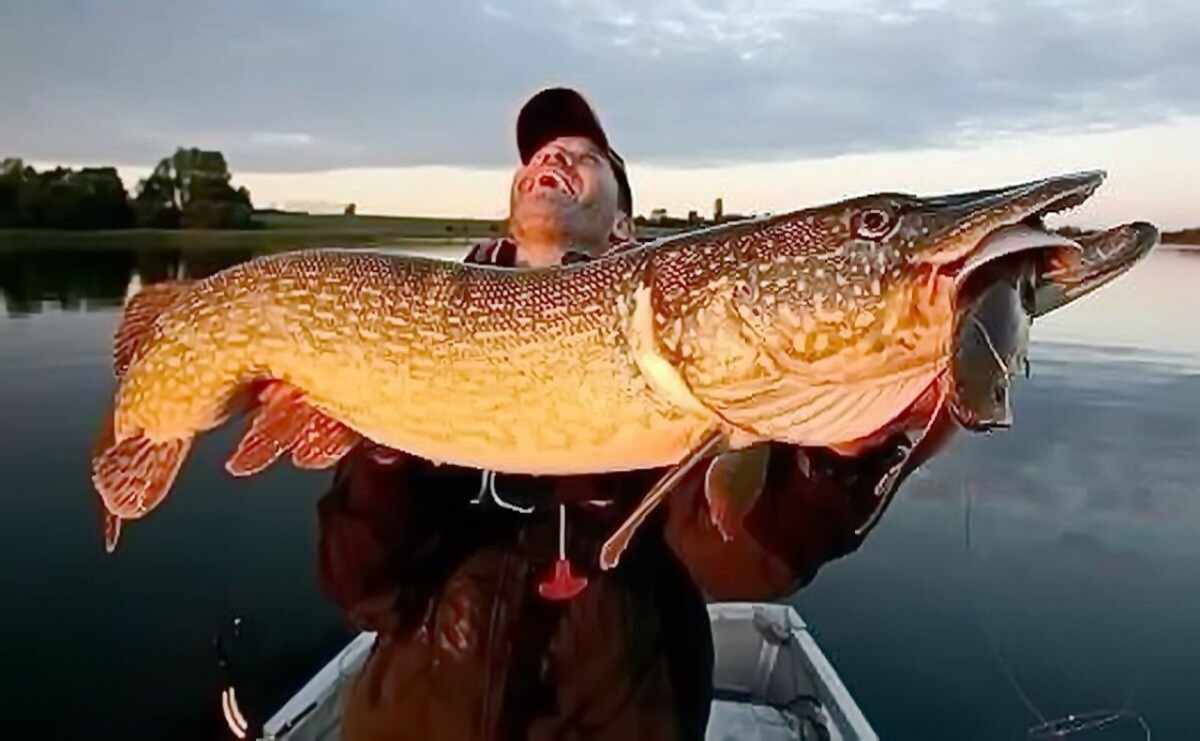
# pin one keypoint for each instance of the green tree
(91, 198)
(12, 180)
(101, 201)
(192, 189)
(155, 206)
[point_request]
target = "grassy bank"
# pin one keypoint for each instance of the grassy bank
(275, 231)
(283, 231)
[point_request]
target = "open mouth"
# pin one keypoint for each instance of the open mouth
(550, 179)
(977, 228)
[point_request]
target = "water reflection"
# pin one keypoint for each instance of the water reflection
(86, 279)
(32, 279)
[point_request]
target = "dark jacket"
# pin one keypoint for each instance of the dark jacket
(467, 648)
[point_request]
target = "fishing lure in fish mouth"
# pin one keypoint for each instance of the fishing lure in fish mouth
(996, 309)
(819, 327)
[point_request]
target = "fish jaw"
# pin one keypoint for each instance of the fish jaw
(994, 318)
(1103, 256)
(953, 229)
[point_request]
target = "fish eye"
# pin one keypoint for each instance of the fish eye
(873, 223)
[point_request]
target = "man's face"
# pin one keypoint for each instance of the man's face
(567, 193)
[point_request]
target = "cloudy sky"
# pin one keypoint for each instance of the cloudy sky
(409, 106)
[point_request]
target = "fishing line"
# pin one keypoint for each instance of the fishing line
(1045, 728)
(984, 626)
(987, 338)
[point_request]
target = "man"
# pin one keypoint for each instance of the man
(468, 646)
(570, 198)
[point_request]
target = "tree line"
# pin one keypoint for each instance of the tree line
(191, 189)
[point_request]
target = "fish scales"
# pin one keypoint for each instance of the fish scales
(411, 352)
(420, 370)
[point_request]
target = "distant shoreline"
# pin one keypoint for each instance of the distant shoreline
(275, 230)
(150, 239)
(283, 231)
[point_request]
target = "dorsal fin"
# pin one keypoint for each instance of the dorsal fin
(140, 312)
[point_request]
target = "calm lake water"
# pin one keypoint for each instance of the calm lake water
(1082, 582)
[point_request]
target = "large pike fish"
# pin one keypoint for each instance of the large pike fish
(817, 327)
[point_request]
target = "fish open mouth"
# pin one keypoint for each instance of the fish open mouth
(970, 229)
(960, 234)
(1058, 267)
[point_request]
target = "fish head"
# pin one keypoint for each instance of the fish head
(868, 291)
(867, 247)
(892, 265)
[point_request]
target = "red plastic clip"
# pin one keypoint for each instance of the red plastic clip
(561, 585)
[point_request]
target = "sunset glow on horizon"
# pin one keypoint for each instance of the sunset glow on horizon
(1154, 174)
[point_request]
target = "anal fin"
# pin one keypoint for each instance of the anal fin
(323, 442)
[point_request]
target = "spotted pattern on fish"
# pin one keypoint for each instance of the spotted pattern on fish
(794, 328)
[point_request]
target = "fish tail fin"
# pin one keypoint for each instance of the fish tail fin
(112, 530)
(138, 318)
(133, 475)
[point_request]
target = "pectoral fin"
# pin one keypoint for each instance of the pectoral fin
(733, 484)
(616, 544)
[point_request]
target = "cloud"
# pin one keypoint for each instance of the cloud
(281, 139)
(287, 86)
